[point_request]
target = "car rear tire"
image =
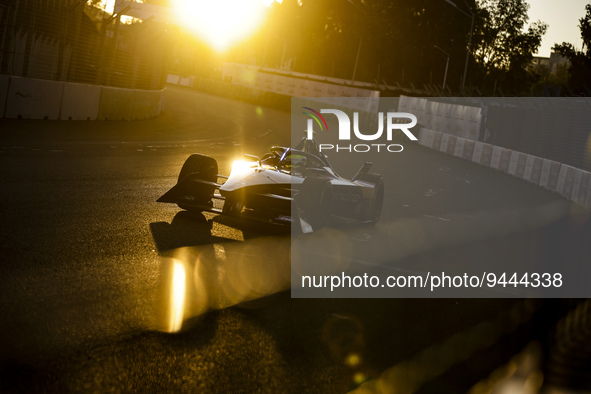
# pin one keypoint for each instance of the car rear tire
(198, 167)
(316, 200)
(378, 201)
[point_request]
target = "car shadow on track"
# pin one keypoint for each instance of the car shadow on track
(193, 229)
(185, 229)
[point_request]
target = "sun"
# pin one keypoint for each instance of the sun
(221, 22)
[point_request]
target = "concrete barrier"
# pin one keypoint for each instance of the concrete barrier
(115, 104)
(486, 155)
(30, 98)
(426, 137)
(533, 169)
(566, 180)
(545, 173)
(517, 164)
(477, 154)
(469, 149)
(186, 81)
(444, 142)
(513, 163)
(459, 125)
(451, 144)
(505, 160)
(80, 102)
(549, 175)
(572, 183)
(437, 139)
(459, 150)
(4, 82)
(553, 178)
(581, 183)
(521, 164)
(146, 104)
(495, 160)
(173, 79)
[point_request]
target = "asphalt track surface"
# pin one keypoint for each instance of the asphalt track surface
(87, 254)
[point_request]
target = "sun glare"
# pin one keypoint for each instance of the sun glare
(221, 22)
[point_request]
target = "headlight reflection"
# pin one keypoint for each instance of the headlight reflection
(218, 276)
(177, 299)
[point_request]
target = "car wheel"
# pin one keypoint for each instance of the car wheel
(317, 198)
(378, 200)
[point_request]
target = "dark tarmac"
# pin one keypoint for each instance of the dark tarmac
(86, 256)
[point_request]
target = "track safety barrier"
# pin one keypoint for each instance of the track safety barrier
(570, 182)
(30, 98)
(80, 102)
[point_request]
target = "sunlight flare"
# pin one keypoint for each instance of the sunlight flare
(221, 22)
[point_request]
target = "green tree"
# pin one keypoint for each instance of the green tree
(504, 44)
(580, 61)
(394, 40)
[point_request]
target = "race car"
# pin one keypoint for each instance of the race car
(285, 186)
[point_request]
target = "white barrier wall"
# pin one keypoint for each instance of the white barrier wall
(173, 79)
(115, 104)
(581, 187)
(517, 164)
(486, 155)
(469, 146)
(533, 169)
(505, 160)
(437, 140)
(146, 103)
(451, 145)
(459, 120)
(302, 85)
(495, 160)
(80, 102)
(572, 183)
(187, 81)
(478, 146)
(29, 98)
(566, 179)
(444, 142)
(459, 150)
(549, 177)
(426, 137)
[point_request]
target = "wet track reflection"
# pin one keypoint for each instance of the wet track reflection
(202, 277)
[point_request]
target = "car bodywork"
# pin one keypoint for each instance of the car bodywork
(286, 186)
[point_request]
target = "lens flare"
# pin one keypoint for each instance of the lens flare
(221, 22)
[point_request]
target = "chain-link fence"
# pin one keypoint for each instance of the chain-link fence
(81, 41)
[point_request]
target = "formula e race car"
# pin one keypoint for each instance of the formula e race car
(284, 186)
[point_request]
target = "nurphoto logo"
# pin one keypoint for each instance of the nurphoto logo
(344, 132)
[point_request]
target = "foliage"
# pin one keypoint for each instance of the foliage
(504, 46)
(394, 41)
(580, 61)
